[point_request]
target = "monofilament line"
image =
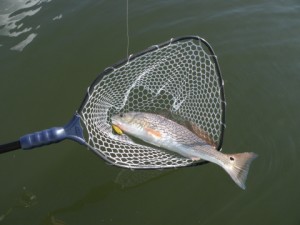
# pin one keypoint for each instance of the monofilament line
(127, 27)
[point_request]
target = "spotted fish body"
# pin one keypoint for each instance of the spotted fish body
(167, 134)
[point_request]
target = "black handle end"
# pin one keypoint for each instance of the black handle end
(10, 147)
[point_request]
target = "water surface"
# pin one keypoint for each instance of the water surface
(50, 52)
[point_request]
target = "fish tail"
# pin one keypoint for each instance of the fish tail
(238, 167)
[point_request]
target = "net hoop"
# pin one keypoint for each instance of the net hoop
(109, 155)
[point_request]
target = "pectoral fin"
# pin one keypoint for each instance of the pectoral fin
(195, 158)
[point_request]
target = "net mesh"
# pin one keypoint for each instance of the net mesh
(179, 79)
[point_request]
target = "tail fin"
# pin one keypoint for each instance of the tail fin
(238, 167)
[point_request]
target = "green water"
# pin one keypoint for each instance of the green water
(50, 52)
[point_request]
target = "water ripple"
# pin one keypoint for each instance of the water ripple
(14, 25)
(24, 43)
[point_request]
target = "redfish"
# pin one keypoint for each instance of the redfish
(167, 134)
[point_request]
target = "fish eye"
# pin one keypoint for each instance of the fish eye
(121, 114)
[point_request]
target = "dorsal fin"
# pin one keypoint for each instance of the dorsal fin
(201, 133)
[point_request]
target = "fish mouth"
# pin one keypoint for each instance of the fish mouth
(113, 121)
(116, 127)
(116, 122)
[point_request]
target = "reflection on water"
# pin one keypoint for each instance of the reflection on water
(125, 180)
(26, 199)
(14, 23)
(51, 220)
(24, 43)
(12, 14)
(57, 17)
(133, 178)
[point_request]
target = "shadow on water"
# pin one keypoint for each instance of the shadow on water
(124, 181)
(26, 199)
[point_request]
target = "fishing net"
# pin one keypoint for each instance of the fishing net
(179, 79)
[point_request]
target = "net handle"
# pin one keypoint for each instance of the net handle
(72, 131)
(10, 147)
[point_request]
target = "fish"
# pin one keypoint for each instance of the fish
(167, 134)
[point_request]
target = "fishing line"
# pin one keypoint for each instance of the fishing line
(127, 26)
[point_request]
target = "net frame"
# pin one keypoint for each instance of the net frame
(110, 70)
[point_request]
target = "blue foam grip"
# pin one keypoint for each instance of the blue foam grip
(72, 130)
